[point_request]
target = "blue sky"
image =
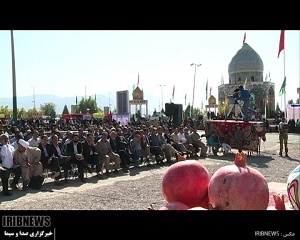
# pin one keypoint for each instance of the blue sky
(83, 62)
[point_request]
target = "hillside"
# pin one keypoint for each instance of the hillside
(27, 102)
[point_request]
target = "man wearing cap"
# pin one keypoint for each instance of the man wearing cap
(8, 166)
(29, 160)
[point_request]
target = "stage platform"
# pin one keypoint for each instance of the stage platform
(247, 135)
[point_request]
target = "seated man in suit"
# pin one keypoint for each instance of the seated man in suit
(74, 150)
(155, 147)
(48, 161)
(124, 156)
(90, 154)
(56, 151)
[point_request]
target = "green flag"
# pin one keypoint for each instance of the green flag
(282, 89)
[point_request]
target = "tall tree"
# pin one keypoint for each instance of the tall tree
(22, 113)
(66, 110)
(48, 109)
(5, 110)
(88, 105)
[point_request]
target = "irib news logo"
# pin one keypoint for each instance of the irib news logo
(27, 227)
(26, 221)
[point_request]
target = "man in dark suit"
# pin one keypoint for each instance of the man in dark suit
(56, 151)
(74, 150)
(48, 161)
(91, 156)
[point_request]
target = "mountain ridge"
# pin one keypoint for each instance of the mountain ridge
(27, 102)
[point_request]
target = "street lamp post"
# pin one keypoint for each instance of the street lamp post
(15, 117)
(162, 98)
(196, 65)
(33, 95)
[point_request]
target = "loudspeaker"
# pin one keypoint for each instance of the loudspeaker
(177, 117)
(169, 109)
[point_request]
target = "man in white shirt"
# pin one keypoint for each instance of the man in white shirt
(183, 140)
(8, 166)
(34, 140)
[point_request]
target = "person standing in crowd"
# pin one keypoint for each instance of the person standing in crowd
(283, 136)
(8, 166)
(245, 97)
(266, 125)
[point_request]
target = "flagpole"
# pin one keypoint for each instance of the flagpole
(299, 71)
(285, 108)
(283, 87)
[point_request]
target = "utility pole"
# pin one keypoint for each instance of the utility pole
(162, 98)
(15, 116)
(33, 96)
(196, 65)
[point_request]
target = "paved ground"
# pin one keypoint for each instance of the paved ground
(142, 187)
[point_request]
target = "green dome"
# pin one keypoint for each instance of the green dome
(246, 60)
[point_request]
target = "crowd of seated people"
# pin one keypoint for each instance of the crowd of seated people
(93, 147)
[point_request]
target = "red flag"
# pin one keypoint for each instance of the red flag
(281, 42)
(244, 37)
